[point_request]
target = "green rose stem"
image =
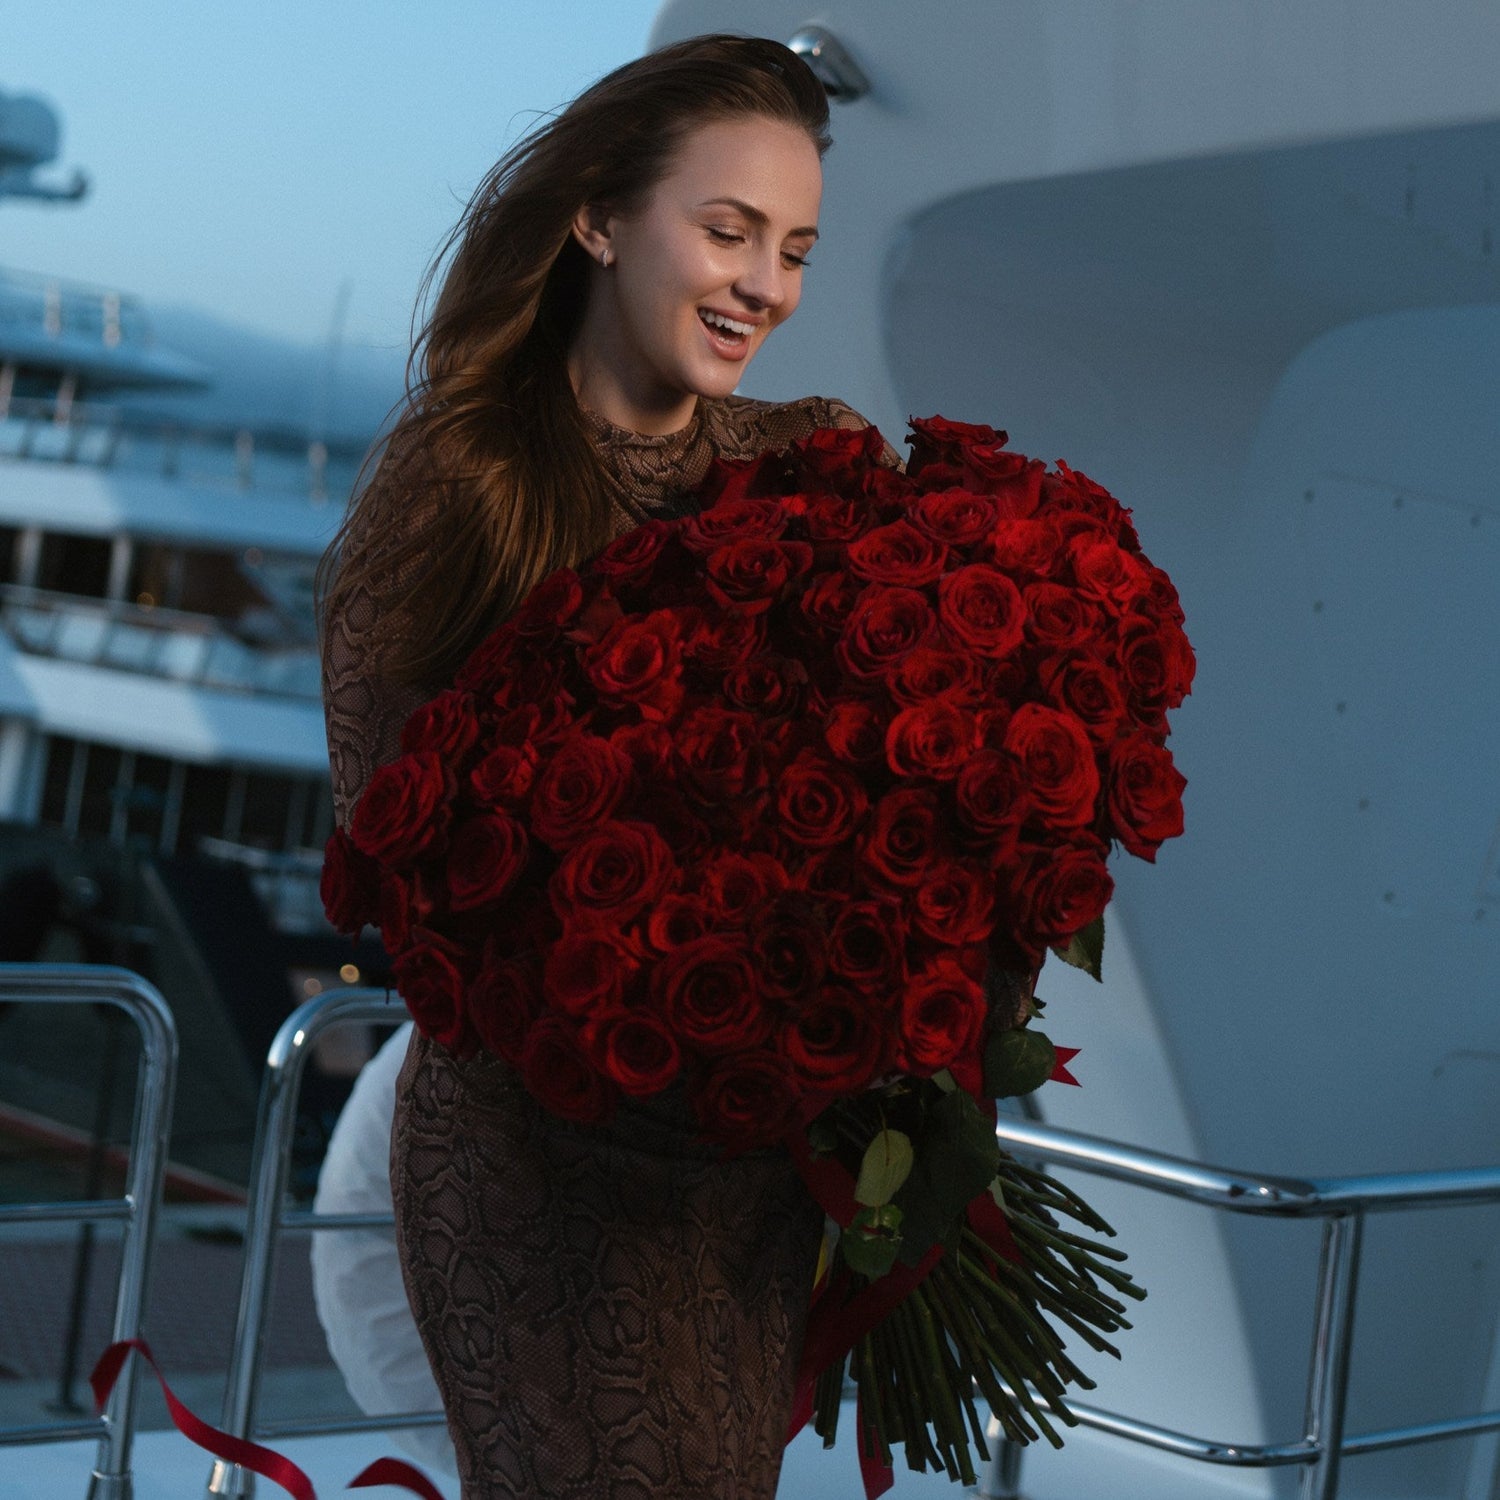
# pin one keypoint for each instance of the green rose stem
(919, 1448)
(873, 1430)
(827, 1398)
(947, 1418)
(965, 1323)
(959, 1380)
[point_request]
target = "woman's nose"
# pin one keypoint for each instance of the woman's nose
(764, 280)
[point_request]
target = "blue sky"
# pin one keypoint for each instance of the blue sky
(248, 158)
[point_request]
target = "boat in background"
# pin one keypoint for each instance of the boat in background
(1238, 263)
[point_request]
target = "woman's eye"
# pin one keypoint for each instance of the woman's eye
(797, 260)
(727, 237)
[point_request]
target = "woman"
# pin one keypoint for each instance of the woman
(610, 1311)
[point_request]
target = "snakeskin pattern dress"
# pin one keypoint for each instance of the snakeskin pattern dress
(612, 1312)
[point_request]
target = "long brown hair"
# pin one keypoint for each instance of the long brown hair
(506, 485)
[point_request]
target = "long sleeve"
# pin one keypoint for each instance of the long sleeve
(364, 708)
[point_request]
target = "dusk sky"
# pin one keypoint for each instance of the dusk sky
(248, 159)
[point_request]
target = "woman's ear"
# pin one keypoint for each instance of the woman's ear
(591, 228)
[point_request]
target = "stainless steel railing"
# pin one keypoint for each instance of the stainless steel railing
(138, 1209)
(269, 1215)
(1342, 1203)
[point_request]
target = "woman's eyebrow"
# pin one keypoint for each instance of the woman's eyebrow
(756, 216)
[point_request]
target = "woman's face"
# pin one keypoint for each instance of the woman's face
(724, 233)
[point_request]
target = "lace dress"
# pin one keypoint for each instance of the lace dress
(612, 1312)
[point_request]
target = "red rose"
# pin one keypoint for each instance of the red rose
(349, 886)
(630, 560)
(648, 748)
(883, 626)
(958, 517)
(735, 886)
(818, 803)
(581, 787)
(1073, 488)
(503, 778)
(934, 672)
(749, 575)
(551, 606)
(1057, 891)
(638, 664)
(719, 640)
(1059, 618)
(635, 1051)
(485, 859)
(954, 905)
(558, 1073)
(836, 1043)
(719, 753)
(1057, 763)
(903, 836)
(931, 739)
(1156, 662)
(837, 456)
(678, 919)
(1088, 689)
(942, 1013)
(1023, 547)
(1145, 795)
(991, 798)
(445, 724)
(898, 554)
(939, 440)
(1107, 572)
(732, 521)
(835, 518)
(503, 1002)
(611, 876)
(745, 1101)
(405, 810)
(585, 973)
(788, 945)
(489, 660)
(431, 982)
(769, 686)
(854, 732)
(982, 609)
(829, 600)
(741, 478)
(706, 992)
(525, 679)
(406, 903)
(865, 944)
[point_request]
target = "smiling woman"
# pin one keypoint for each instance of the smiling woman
(610, 1310)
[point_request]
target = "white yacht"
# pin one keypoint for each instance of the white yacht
(1238, 263)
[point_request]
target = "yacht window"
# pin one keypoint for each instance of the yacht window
(74, 564)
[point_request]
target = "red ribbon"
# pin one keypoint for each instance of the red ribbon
(263, 1461)
(1059, 1073)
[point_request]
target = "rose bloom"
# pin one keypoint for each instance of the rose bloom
(935, 672)
(446, 725)
(551, 606)
(634, 1050)
(706, 992)
(818, 803)
(958, 517)
(630, 560)
(788, 945)
(854, 732)
(431, 982)
(722, 639)
(903, 836)
(610, 877)
(503, 1002)
(404, 811)
(581, 787)
(981, 608)
(1089, 689)
(1145, 795)
(736, 886)
(992, 801)
(585, 973)
(836, 1043)
(349, 885)
(745, 1101)
(719, 754)
(732, 521)
(1057, 891)
(638, 664)
(558, 1072)
(1107, 572)
(882, 627)
(485, 859)
(942, 1013)
(954, 905)
(932, 739)
(1060, 618)
(748, 575)
(865, 944)
(1057, 763)
(897, 554)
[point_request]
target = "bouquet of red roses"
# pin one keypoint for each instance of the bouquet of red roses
(766, 803)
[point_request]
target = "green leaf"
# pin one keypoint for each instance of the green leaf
(873, 1239)
(1016, 1062)
(822, 1135)
(945, 1080)
(886, 1163)
(957, 1160)
(1085, 949)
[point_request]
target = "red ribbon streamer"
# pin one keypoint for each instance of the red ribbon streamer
(233, 1450)
(263, 1461)
(1060, 1073)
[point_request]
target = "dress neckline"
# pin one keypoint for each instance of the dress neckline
(610, 434)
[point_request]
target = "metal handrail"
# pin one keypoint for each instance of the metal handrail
(271, 1166)
(138, 1209)
(1342, 1203)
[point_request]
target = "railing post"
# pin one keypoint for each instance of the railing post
(276, 1119)
(1333, 1335)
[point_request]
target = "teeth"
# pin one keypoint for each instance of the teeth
(719, 320)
